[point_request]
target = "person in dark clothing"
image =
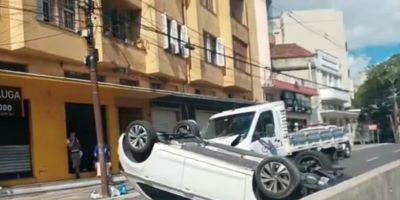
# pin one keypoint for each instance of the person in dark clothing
(74, 147)
(107, 159)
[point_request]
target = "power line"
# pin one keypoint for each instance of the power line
(199, 34)
(148, 28)
(322, 34)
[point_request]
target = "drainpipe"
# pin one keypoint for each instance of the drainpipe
(188, 61)
(251, 65)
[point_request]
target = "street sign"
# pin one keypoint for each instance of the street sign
(10, 102)
(372, 127)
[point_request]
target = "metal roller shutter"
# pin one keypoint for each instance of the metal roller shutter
(164, 119)
(15, 158)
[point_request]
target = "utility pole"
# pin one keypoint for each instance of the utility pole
(91, 61)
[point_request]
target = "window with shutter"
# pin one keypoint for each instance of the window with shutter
(63, 13)
(220, 50)
(123, 23)
(240, 50)
(209, 4)
(164, 29)
(184, 36)
(69, 14)
(174, 37)
(210, 50)
(44, 10)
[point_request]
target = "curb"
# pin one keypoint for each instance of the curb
(54, 186)
(352, 183)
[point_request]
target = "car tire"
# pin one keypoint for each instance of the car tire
(140, 136)
(312, 159)
(347, 151)
(279, 173)
(187, 127)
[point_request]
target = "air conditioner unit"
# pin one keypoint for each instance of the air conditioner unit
(84, 33)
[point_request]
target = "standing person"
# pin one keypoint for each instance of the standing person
(75, 153)
(107, 160)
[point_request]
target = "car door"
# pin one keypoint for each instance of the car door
(265, 140)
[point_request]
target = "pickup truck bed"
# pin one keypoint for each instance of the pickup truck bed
(321, 138)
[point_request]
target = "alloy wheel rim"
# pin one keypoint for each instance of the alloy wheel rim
(137, 136)
(275, 177)
(184, 129)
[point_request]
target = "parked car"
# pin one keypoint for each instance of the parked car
(184, 166)
(263, 129)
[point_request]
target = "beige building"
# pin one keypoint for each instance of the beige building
(316, 30)
(147, 70)
(322, 33)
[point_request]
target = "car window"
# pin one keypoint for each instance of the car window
(228, 126)
(266, 119)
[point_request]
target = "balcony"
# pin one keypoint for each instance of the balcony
(331, 94)
(327, 62)
(118, 53)
(242, 81)
(207, 75)
(240, 31)
(42, 35)
(136, 3)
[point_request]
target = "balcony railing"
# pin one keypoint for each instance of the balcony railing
(333, 94)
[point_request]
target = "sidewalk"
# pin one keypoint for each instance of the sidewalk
(68, 190)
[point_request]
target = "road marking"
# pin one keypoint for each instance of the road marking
(362, 147)
(398, 150)
(371, 159)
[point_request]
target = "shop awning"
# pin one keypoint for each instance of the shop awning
(282, 85)
(131, 91)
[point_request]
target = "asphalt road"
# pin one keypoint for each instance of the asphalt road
(363, 159)
(366, 158)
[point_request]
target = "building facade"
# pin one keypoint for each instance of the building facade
(159, 60)
(321, 32)
(290, 61)
(316, 30)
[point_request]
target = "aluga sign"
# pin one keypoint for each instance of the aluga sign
(10, 101)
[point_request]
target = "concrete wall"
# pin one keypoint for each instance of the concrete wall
(382, 183)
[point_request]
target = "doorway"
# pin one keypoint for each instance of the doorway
(80, 119)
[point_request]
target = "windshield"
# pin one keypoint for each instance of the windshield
(228, 126)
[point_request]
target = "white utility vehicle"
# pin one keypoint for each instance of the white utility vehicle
(184, 166)
(263, 129)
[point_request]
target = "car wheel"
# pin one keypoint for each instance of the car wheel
(141, 136)
(277, 178)
(347, 151)
(308, 160)
(187, 127)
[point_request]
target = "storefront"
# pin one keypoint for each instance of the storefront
(36, 123)
(15, 142)
(51, 107)
(297, 99)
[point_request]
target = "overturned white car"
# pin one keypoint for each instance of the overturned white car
(183, 166)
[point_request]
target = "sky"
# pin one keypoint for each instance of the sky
(372, 28)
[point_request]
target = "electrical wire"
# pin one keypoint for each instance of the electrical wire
(198, 46)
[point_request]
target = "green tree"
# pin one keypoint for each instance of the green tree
(375, 95)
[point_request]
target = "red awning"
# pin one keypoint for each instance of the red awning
(282, 85)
